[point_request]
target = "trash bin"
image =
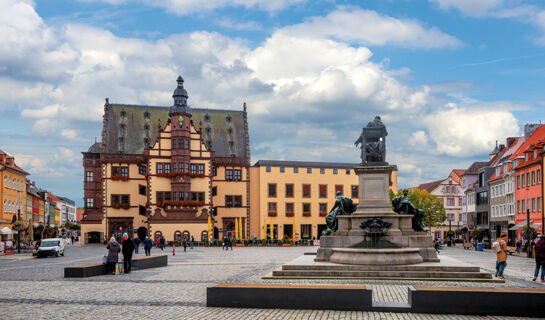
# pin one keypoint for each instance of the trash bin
(479, 247)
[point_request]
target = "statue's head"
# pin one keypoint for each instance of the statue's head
(405, 192)
(339, 194)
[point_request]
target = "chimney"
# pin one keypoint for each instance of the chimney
(529, 128)
(510, 141)
(502, 146)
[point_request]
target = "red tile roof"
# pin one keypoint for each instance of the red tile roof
(534, 139)
(430, 186)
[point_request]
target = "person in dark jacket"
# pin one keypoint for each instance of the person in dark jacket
(136, 242)
(540, 258)
(184, 244)
(162, 243)
(128, 248)
(113, 255)
(147, 245)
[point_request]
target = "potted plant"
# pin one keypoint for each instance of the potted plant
(311, 242)
(220, 243)
(246, 241)
(287, 243)
(529, 233)
(263, 242)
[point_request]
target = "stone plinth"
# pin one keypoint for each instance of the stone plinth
(374, 201)
(401, 256)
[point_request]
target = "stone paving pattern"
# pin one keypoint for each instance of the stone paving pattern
(36, 288)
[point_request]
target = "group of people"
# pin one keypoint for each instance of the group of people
(227, 243)
(501, 256)
(127, 247)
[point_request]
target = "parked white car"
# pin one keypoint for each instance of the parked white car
(51, 247)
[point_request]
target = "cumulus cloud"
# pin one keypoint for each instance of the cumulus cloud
(469, 7)
(471, 130)
(370, 28)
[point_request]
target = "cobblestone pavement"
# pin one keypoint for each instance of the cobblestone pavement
(36, 289)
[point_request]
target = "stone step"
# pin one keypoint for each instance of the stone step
(382, 274)
(382, 268)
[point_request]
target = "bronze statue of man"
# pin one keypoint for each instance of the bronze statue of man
(403, 205)
(343, 206)
(373, 143)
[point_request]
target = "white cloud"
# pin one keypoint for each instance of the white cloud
(44, 127)
(370, 28)
(237, 25)
(70, 134)
(471, 130)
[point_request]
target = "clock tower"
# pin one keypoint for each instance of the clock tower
(180, 119)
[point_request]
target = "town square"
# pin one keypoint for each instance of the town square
(281, 159)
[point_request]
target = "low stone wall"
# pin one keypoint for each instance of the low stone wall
(98, 269)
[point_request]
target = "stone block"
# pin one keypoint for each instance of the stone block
(420, 241)
(429, 255)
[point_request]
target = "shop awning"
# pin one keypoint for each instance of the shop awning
(520, 225)
(6, 230)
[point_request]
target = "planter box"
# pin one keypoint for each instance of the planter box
(287, 244)
(240, 245)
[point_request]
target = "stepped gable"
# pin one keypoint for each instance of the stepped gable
(225, 129)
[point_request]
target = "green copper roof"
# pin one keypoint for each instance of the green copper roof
(126, 128)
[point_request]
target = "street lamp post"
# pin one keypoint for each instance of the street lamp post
(18, 231)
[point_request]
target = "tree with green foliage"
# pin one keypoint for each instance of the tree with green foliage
(434, 211)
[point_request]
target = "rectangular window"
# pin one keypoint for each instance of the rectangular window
(181, 167)
(125, 171)
(201, 196)
(533, 177)
(295, 170)
(335, 171)
(323, 208)
(355, 190)
(125, 199)
(347, 171)
(214, 191)
(186, 144)
(116, 172)
(538, 176)
(289, 190)
(229, 201)
(167, 167)
(322, 191)
(142, 210)
(306, 231)
(306, 209)
(238, 175)
(272, 190)
(193, 168)
(115, 199)
(306, 191)
(339, 187)
(522, 204)
(268, 169)
(518, 182)
(159, 168)
(322, 170)
(89, 203)
(518, 206)
(238, 201)
(141, 189)
(527, 178)
(533, 204)
(214, 171)
(228, 174)
(282, 169)
(272, 209)
(174, 144)
(289, 210)
(309, 170)
(159, 197)
(89, 176)
(538, 204)
(201, 169)
(175, 167)
(175, 196)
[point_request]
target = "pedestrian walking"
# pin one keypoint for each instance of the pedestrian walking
(157, 243)
(540, 258)
(436, 245)
(225, 244)
(162, 242)
(500, 247)
(136, 242)
(128, 248)
(192, 243)
(184, 244)
(72, 238)
(518, 245)
(147, 246)
(113, 255)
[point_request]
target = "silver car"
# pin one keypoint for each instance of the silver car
(51, 247)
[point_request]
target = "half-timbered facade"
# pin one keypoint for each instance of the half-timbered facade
(165, 170)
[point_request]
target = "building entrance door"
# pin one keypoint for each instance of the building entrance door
(119, 230)
(288, 231)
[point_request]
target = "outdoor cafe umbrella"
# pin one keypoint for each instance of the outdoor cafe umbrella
(209, 226)
(236, 228)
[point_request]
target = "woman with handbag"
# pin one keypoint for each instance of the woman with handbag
(113, 255)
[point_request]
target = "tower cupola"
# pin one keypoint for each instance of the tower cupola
(180, 98)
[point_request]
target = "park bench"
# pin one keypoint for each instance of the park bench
(289, 296)
(477, 300)
(98, 269)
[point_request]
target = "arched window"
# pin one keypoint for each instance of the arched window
(158, 234)
(186, 235)
(177, 236)
(204, 235)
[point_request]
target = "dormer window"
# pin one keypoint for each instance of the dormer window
(535, 154)
(526, 156)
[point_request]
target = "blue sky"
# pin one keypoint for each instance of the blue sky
(449, 77)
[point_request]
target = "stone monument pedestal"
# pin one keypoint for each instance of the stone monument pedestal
(374, 201)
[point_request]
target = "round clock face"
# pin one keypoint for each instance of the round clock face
(180, 120)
